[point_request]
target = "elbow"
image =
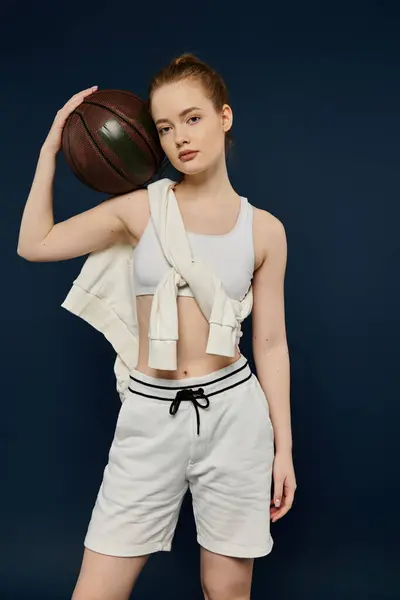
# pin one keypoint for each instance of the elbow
(20, 252)
(26, 254)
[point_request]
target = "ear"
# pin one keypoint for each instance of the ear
(227, 117)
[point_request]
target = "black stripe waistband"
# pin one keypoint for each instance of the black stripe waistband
(195, 392)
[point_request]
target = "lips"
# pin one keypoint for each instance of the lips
(188, 155)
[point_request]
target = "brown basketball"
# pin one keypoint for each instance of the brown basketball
(111, 143)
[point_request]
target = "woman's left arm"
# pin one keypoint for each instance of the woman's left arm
(271, 354)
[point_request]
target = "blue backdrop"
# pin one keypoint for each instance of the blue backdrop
(316, 95)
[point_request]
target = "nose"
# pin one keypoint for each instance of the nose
(181, 137)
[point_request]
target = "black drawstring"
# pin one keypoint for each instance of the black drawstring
(191, 396)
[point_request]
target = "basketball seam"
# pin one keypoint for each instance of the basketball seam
(130, 94)
(139, 131)
(101, 153)
(77, 171)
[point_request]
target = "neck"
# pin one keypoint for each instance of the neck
(209, 186)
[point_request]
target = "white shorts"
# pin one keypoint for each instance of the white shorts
(212, 434)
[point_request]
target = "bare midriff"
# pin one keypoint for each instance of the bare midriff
(193, 330)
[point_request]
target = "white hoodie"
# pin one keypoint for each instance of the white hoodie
(104, 296)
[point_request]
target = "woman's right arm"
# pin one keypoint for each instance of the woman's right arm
(41, 240)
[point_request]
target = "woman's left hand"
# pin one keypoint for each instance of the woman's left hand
(284, 485)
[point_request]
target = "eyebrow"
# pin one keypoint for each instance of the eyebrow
(181, 114)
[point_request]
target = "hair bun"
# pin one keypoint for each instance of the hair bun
(187, 59)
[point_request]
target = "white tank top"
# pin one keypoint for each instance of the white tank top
(230, 256)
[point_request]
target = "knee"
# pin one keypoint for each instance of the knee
(218, 589)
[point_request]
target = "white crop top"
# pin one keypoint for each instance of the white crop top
(230, 256)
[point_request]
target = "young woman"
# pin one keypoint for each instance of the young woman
(231, 453)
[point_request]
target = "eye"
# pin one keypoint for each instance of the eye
(163, 130)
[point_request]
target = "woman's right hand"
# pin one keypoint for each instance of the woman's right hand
(53, 141)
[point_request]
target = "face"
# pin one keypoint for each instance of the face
(187, 120)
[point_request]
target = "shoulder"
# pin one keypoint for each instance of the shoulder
(269, 233)
(267, 222)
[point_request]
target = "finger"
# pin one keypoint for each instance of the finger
(282, 512)
(80, 95)
(278, 493)
(278, 514)
(289, 496)
(85, 91)
(89, 91)
(286, 505)
(75, 101)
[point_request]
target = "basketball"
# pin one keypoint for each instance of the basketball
(111, 143)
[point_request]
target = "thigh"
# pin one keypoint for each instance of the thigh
(107, 577)
(231, 483)
(144, 482)
(225, 577)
